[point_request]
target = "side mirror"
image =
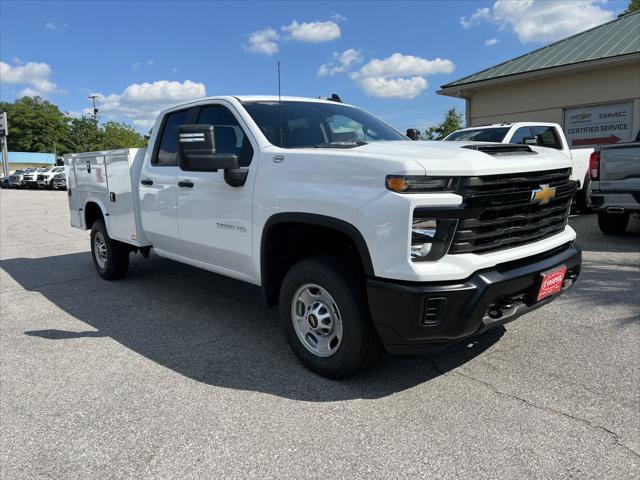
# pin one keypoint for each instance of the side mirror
(530, 141)
(414, 134)
(197, 150)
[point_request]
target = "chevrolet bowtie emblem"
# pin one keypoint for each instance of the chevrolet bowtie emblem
(543, 195)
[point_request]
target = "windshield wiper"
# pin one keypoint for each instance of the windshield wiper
(357, 143)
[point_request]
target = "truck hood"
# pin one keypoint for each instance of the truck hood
(451, 158)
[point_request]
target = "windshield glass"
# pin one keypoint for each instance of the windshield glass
(311, 124)
(479, 135)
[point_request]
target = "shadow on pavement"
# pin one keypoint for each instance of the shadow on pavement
(200, 325)
(610, 280)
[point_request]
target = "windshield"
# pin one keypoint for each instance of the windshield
(319, 125)
(479, 135)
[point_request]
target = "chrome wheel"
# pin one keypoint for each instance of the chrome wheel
(316, 320)
(100, 250)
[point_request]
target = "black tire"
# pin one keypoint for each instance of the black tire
(613, 223)
(116, 262)
(360, 345)
(583, 198)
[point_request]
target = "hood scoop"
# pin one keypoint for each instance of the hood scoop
(503, 150)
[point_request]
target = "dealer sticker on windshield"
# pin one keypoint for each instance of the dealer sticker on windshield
(551, 282)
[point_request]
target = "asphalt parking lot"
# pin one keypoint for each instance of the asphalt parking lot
(172, 374)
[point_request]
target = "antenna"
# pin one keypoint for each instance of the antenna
(280, 105)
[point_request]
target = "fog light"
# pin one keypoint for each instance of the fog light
(430, 238)
(423, 231)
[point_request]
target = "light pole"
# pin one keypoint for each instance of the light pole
(4, 132)
(95, 109)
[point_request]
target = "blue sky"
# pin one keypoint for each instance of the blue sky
(387, 57)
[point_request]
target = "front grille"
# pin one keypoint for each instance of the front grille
(503, 214)
(41, 177)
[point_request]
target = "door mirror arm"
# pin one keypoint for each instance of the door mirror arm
(236, 177)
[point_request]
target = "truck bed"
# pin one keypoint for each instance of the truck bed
(106, 178)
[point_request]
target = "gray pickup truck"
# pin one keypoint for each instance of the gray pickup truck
(615, 176)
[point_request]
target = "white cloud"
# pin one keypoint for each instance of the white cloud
(135, 65)
(141, 103)
(542, 21)
(313, 32)
(337, 17)
(18, 61)
(479, 15)
(263, 41)
(399, 76)
(490, 42)
(34, 75)
(341, 62)
(150, 63)
(406, 88)
(55, 26)
(174, 70)
(398, 65)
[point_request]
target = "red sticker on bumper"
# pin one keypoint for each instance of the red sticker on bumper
(551, 283)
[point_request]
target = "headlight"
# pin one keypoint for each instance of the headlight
(420, 183)
(431, 238)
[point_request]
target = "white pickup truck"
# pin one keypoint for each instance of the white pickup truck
(542, 134)
(363, 237)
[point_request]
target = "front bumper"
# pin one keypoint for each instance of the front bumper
(417, 318)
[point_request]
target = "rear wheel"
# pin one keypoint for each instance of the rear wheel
(583, 198)
(110, 257)
(613, 223)
(325, 316)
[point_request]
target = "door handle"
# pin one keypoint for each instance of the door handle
(146, 181)
(185, 184)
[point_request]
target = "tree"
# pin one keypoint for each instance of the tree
(84, 135)
(634, 6)
(35, 125)
(120, 135)
(452, 121)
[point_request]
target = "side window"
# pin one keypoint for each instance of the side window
(230, 137)
(167, 153)
(547, 137)
(520, 134)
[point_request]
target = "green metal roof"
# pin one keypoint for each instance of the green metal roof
(618, 37)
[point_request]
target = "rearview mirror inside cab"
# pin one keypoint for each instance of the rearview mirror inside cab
(197, 150)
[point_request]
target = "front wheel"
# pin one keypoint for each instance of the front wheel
(613, 223)
(110, 257)
(325, 316)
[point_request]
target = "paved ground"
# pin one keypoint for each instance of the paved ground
(167, 374)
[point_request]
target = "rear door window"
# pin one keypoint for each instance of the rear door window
(167, 153)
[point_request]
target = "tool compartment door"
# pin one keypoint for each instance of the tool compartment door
(121, 222)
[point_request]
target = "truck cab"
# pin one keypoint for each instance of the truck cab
(363, 238)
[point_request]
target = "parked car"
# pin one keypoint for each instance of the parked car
(5, 182)
(46, 176)
(30, 178)
(363, 237)
(59, 181)
(16, 178)
(615, 173)
(542, 134)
